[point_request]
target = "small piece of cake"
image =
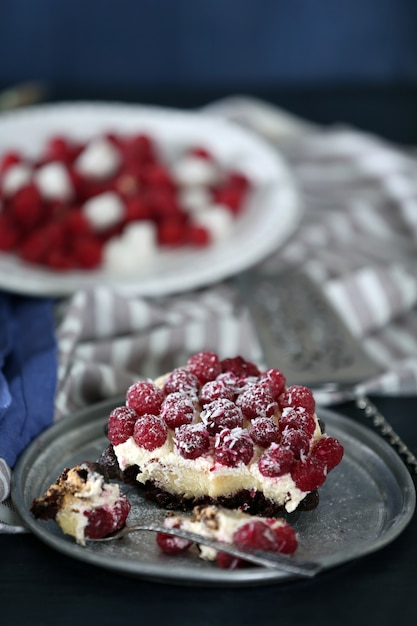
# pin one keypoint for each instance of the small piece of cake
(83, 503)
(224, 433)
(262, 533)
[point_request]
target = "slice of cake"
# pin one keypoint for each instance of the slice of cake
(83, 503)
(223, 432)
(262, 533)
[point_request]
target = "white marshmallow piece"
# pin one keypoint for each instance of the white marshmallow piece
(54, 182)
(195, 198)
(194, 170)
(100, 159)
(104, 211)
(16, 177)
(217, 219)
(127, 254)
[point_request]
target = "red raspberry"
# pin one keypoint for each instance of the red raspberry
(171, 544)
(27, 207)
(171, 232)
(34, 248)
(213, 390)
(239, 366)
(9, 159)
(137, 209)
(87, 252)
(200, 151)
(192, 440)
(227, 561)
(221, 413)
(157, 175)
(204, 365)
(138, 148)
(297, 395)
(181, 380)
(9, 233)
(276, 461)
(59, 149)
(297, 417)
(329, 450)
(285, 536)
(275, 380)
(296, 440)
(196, 235)
(233, 447)
(231, 197)
(105, 520)
(150, 432)
(121, 424)
(144, 397)
(257, 401)
(264, 431)
(177, 409)
(257, 535)
(309, 474)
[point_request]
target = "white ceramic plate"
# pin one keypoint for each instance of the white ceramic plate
(272, 214)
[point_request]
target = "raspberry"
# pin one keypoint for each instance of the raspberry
(296, 440)
(191, 440)
(9, 233)
(285, 536)
(34, 248)
(144, 397)
(213, 390)
(239, 366)
(137, 209)
(87, 252)
(26, 207)
(297, 417)
(257, 535)
(120, 425)
(275, 380)
(233, 447)
(221, 413)
(297, 395)
(177, 409)
(309, 474)
(204, 365)
(171, 544)
(105, 520)
(9, 159)
(264, 431)
(150, 432)
(257, 401)
(59, 149)
(329, 450)
(171, 232)
(228, 561)
(276, 461)
(181, 380)
(196, 235)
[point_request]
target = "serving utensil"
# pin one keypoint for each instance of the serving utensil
(301, 333)
(275, 560)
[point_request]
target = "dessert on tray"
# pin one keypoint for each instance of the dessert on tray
(222, 432)
(229, 526)
(83, 503)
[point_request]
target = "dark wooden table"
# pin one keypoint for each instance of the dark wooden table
(40, 587)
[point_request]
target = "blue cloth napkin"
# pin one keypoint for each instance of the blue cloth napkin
(28, 372)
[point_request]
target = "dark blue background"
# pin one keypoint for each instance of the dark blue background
(190, 51)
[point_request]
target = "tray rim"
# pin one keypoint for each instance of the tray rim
(96, 414)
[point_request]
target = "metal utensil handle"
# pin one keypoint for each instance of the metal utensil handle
(379, 421)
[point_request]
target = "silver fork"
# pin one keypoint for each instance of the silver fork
(274, 560)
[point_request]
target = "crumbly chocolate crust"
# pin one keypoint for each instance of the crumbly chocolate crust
(48, 506)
